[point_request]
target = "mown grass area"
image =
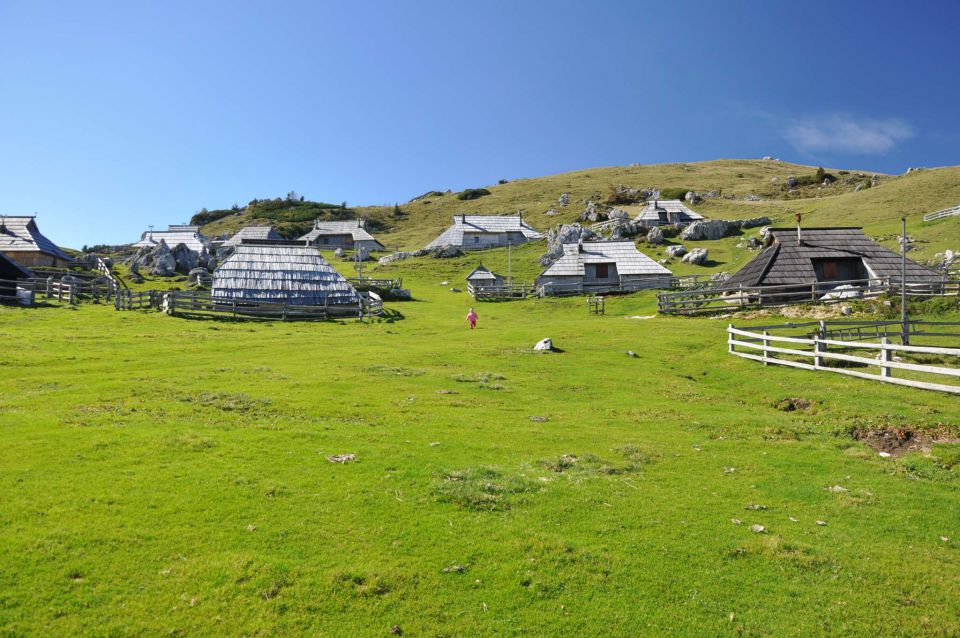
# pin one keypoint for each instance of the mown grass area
(166, 476)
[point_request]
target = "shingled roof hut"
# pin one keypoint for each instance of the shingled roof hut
(475, 232)
(664, 212)
(189, 236)
(829, 257)
(349, 235)
(602, 266)
(287, 272)
(252, 232)
(22, 241)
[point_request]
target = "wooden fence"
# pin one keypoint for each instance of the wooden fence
(940, 214)
(380, 285)
(192, 303)
(708, 300)
(127, 299)
(501, 292)
(821, 350)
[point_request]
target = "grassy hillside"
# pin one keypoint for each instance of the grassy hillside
(164, 476)
(877, 209)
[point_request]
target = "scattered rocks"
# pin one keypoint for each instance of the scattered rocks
(837, 489)
(754, 507)
(454, 569)
(338, 253)
(791, 181)
(631, 353)
(757, 529)
(446, 252)
(707, 229)
(753, 222)
(393, 257)
(846, 311)
(197, 275)
(736, 521)
(400, 293)
(342, 458)
(544, 345)
(552, 212)
(618, 213)
(564, 234)
(591, 214)
(655, 236)
(692, 198)
(697, 256)
(539, 419)
(676, 250)
(822, 523)
(753, 243)
(564, 199)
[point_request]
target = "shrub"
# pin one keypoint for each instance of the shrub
(205, 216)
(674, 193)
(472, 193)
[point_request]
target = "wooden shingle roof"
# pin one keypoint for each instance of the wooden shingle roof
(253, 232)
(785, 262)
(281, 272)
(681, 212)
(190, 236)
(624, 254)
(21, 234)
(490, 224)
(481, 273)
(354, 228)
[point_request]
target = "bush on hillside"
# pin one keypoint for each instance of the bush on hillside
(473, 193)
(674, 193)
(205, 216)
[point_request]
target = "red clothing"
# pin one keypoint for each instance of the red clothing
(472, 318)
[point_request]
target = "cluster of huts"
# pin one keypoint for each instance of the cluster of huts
(260, 265)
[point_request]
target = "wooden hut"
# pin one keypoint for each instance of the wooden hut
(252, 232)
(482, 278)
(600, 267)
(664, 212)
(10, 273)
(22, 241)
(826, 258)
(287, 272)
(349, 235)
(475, 232)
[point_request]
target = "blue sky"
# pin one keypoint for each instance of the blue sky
(116, 115)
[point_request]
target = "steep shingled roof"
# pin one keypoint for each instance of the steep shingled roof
(354, 228)
(21, 234)
(629, 260)
(481, 273)
(679, 212)
(281, 272)
(253, 232)
(785, 262)
(494, 224)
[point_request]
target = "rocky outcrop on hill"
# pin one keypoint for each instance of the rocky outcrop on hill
(393, 257)
(718, 228)
(697, 256)
(446, 252)
(564, 234)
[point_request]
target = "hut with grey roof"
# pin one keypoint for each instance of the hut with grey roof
(602, 267)
(252, 232)
(348, 235)
(22, 241)
(475, 232)
(664, 212)
(284, 272)
(189, 236)
(826, 257)
(482, 277)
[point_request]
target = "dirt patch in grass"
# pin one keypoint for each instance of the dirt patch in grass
(633, 459)
(901, 441)
(230, 402)
(793, 404)
(480, 377)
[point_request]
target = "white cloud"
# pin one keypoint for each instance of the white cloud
(846, 134)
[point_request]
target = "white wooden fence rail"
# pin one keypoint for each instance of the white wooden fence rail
(940, 214)
(818, 352)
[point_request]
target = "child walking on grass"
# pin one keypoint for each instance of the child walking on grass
(472, 318)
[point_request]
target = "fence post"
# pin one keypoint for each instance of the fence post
(729, 337)
(813, 292)
(817, 350)
(886, 357)
(49, 290)
(766, 344)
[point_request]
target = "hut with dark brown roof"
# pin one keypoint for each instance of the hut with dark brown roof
(827, 257)
(21, 240)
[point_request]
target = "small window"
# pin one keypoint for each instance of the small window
(829, 270)
(476, 240)
(603, 271)
(326, 240)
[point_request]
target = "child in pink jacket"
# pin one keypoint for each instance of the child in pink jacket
(472, 318)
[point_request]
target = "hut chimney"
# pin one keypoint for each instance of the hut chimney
(580, 246)
(3, 223)
(799, 234)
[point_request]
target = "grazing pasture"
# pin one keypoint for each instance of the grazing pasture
(167, 476)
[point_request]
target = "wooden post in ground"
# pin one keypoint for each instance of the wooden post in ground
(729, 337)
(766, 344)
(817, 353)
(886, 356)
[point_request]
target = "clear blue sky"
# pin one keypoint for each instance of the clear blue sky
(116, 115)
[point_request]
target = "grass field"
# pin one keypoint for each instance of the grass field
(165, 476)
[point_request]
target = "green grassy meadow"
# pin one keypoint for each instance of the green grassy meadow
(168, 476)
